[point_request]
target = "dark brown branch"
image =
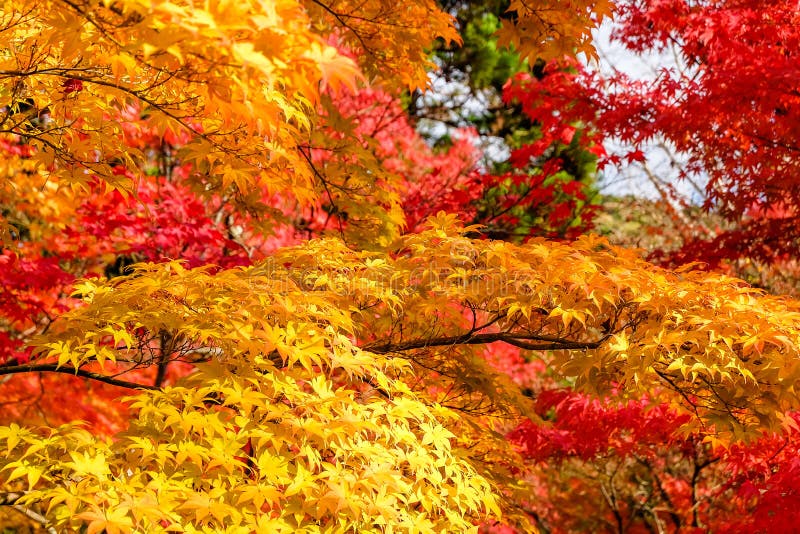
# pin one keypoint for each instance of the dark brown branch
(524, 341)
(54, 368)
(670, 380)
(665, 496)
(325, 184)
(698, 467)
(340, 19)
(167, 345)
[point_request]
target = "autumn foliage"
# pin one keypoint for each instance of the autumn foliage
(239, 292)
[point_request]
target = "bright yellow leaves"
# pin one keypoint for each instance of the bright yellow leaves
(727, 351)
(286, 425)
(328, 378)
(245, 448)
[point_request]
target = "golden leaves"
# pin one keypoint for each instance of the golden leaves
(276, 417)
(329, 376)
(435, 297)
(552, 29)
(314, 457)
(727, 351)
(241, 78)
(391, 39)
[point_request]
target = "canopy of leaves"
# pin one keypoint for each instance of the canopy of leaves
(727, 107)
(344, 384)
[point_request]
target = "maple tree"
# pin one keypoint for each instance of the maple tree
(725, 108)
(728, 57)
(342, 384)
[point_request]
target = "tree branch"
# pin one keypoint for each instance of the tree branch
(35, 516)
(54, 368)
(523, 341)
(11, 497)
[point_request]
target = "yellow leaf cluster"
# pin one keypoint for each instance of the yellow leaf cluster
(328, 379)
(727, 351)
(239, 448)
